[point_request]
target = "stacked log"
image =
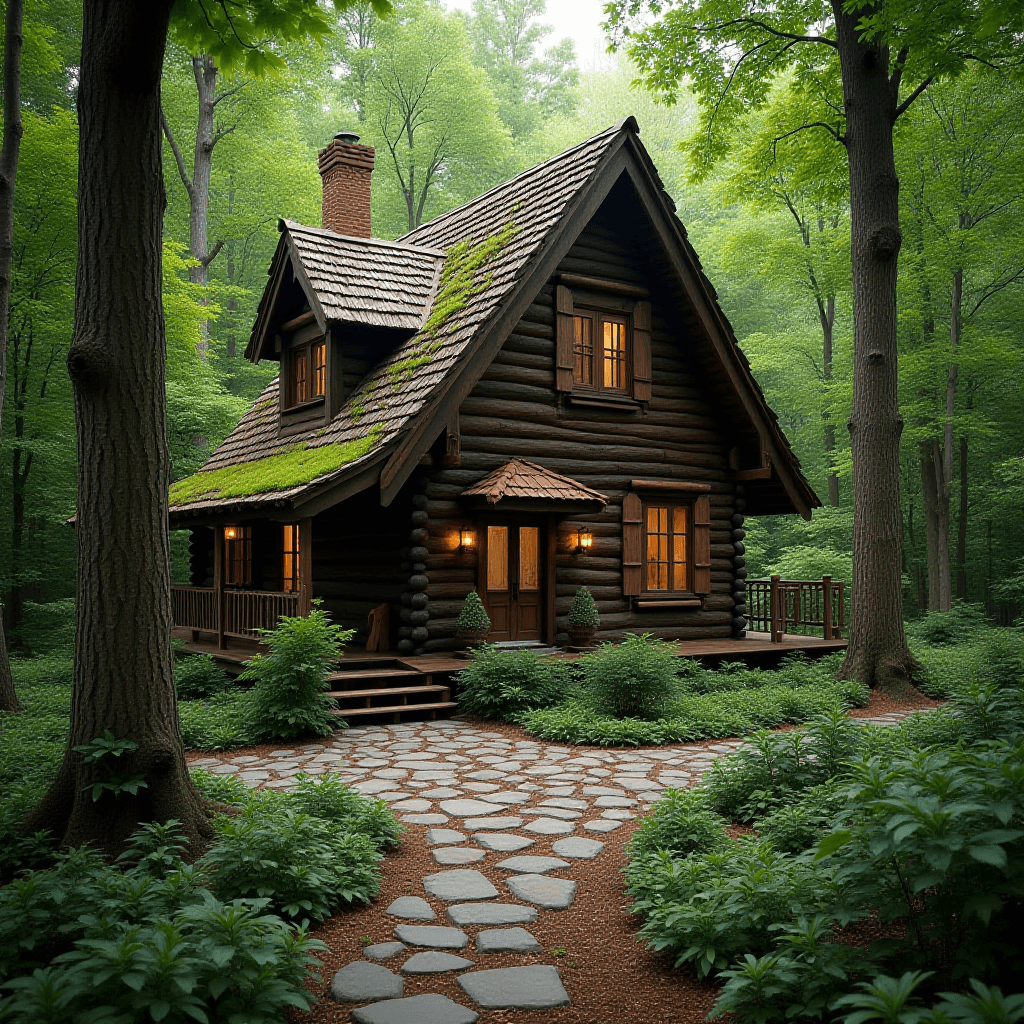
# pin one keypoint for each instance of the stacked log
(739, 586)
(415, 611)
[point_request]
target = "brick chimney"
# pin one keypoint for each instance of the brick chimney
(345, 168)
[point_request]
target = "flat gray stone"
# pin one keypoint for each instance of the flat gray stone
(562, 813)
(638, 785)
(435, 963)
(435, 936)
(459, 885)
(466, 808)
(425, 819)
(412, 908)
(361, 981)
(601, 825)
(530, 865)
(602, 791)
(442, 793)
(487, 775)
(503, 843)
(617, 814)
(577, 848)
(457, 855)
(506, 940)
(614, 801)
(549, 827)
(566, 802)
(490, 913)
(413, 804)
(445, 836)
(536, 987)
(549, 893)
(431, 1008)
(507, 798)
(476, 823)
(383, 950)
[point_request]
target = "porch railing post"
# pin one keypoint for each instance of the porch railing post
(773, 600)
(826, 606)
(218, 585)
(305, 565)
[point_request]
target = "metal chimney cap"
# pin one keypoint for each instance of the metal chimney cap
(346, 137)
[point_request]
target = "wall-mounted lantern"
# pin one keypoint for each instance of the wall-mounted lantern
(584, 541)
(466, 539)
(230, 532)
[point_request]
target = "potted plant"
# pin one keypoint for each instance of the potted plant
(583, 618)
(473, 624)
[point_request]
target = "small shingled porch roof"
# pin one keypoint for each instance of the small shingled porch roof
(522, 481)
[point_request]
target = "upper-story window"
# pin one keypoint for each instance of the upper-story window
(600, 356)
(307, 366)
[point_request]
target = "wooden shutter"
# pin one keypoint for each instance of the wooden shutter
(702, 546)
(563, 338)
(632, 545)
(642, 351)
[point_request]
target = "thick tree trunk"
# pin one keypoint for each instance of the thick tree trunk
(123, 679)
(943, 569)
(930, 506)
(878, 653)
(202, 163)
(961, 533)
(13, 130)
(827, 316)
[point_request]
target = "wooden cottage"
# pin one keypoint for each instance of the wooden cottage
(533, 392)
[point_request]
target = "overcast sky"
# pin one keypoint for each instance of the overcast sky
(580, 19)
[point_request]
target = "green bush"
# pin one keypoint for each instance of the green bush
(222, 721)
(961, 624)
(797, 824)
(197, 676)
(327, 797)
(583, 613)
(288, 698)
(680, 823)
(472, 617)
(632, 679)
(504, 684)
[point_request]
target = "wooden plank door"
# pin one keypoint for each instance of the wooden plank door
(513, 579)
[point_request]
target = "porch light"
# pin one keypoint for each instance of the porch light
(230, 532)
(466, 539)
(584, 541)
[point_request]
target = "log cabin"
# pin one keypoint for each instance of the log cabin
(534, 392)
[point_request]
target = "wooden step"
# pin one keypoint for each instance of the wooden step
(367, 674)
(387, 691)
(433, 708)
(356, 664)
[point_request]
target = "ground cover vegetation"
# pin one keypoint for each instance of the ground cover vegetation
(865, 853)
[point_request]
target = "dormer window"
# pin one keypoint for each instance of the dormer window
(602, 366)
(307, 372)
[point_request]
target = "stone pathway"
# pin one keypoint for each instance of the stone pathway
(477, 797)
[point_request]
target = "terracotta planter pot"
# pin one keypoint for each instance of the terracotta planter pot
(581, 636)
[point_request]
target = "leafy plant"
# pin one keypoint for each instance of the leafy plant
(505, 684)
(100, 750)
(633, 679)
(327, 797)
(583, 614)
(288, 698)
(473, 617)
(197, 676)
(680, 823)
(961, 624)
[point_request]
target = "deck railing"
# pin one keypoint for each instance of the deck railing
(779, 606)
(238, 613)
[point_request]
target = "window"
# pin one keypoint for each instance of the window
(307, 366)
(666, 548)
(237, 556)
(290, 567)
(602, 367)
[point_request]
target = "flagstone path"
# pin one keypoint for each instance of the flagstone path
(524, 807)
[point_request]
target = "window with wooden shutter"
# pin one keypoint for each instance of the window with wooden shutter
(702, 546)
(632, 545)
(564, 330)
(642, 351)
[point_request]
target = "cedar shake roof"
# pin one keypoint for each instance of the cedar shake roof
(498, 247)
(520, 479)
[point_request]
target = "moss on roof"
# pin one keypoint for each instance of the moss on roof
(292, 468)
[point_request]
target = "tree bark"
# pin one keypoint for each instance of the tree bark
(827, 316)
(13, 130)
(123, 677)
(878, 653)
(961, 533)
(930, 504)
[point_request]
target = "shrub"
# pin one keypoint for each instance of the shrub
(473, 618)
(680, 822)
(304, 865)
(329, 798)
(503, 684)
(583, 613)
(288, 698)
(632, 679)
(797, 825)
(220, 722)
(197, 676)
(961, 624)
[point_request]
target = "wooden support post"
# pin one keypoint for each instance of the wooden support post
(837, 633)
(826, 606)
(774, 597)
(218, 584)
(305, 565)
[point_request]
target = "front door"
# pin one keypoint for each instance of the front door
(512, 577)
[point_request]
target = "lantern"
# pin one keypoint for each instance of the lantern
(466, 539)
(584, 541)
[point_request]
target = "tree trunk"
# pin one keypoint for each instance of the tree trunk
(13, 130)
(827, 315)
(123, 678)
(230, 270)
(943, 573)
(961, 533)
(930, 505)
(878, 653)
(202, 162)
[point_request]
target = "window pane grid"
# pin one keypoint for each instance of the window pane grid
(300, 376)
(497, 558)
(291, 558)
(667, 529)
(319, 352)
(614, 354)
(583, 350)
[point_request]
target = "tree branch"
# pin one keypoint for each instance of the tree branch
(177, 154)
(901, 109)
(212, 255)
(811, 124)
(776, 32)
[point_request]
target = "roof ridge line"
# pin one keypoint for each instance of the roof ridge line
(428, 250)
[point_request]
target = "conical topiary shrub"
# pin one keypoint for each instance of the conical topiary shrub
(583, 618)
(473, 623)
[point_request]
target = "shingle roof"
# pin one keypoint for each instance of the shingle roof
(501, 230)
(367, 280)
(526, 480)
